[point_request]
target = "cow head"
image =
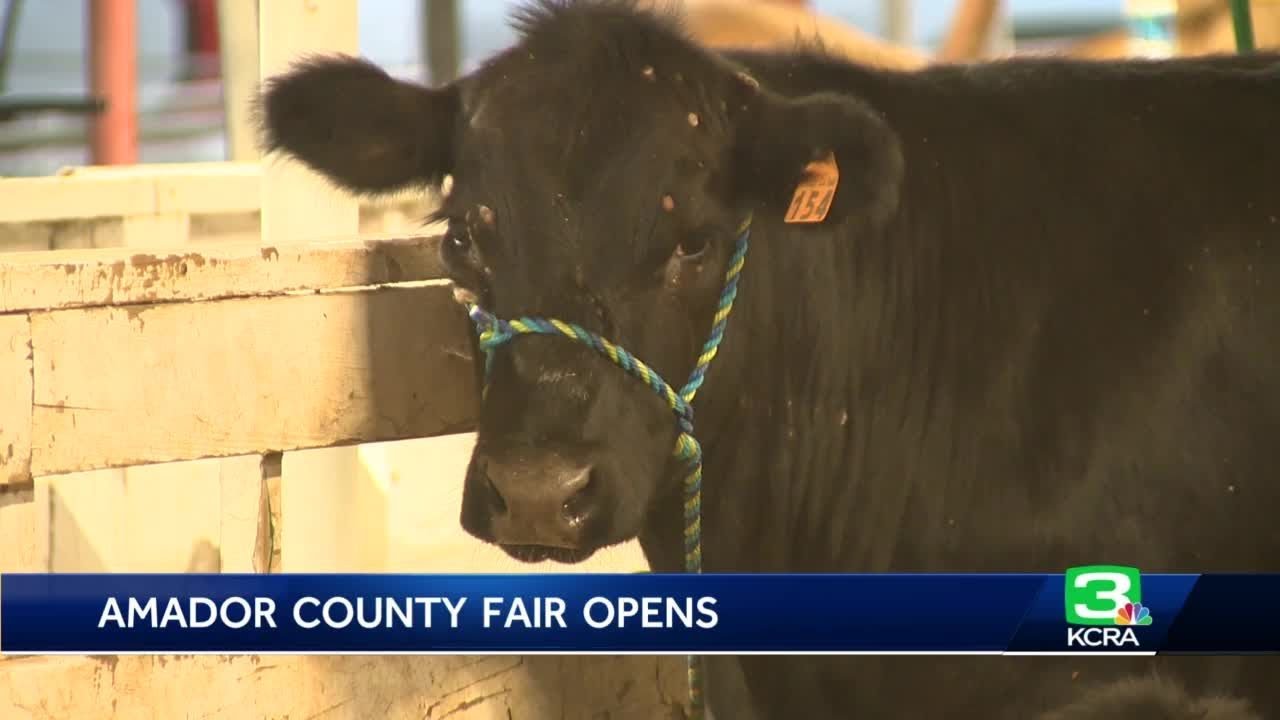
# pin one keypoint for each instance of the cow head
(595, 172)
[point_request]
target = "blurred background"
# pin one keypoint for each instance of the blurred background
(46, 51)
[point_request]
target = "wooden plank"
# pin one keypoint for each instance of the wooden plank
(380, 217)
(457, 688)
(267, 543)
(225, 228)
(79, 234)
(241, 484)
(112, 520)
(171, 517)
(120, 386)
(21, 543)
(206, 187)
(210, 188)
(15, 398)
(350, 502)
(137, 190)
(90, 196)
(159, 230)
(24, 238)
(120, 276)
(80, 511)
(172, 218)
(113, 191)
(170, 169)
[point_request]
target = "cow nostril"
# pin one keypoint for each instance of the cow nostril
(494, 496)
(582, 502)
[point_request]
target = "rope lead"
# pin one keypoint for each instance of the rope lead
(493, 332)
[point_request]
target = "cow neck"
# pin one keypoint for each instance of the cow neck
(778, 413)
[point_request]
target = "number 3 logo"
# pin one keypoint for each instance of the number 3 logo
(1095, 594)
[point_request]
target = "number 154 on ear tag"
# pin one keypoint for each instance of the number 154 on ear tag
(813, 196)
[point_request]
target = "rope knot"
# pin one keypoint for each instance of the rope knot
(684, 414)
(687, 448)
(685, 424)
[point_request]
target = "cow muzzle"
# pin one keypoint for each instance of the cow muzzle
(534, 504)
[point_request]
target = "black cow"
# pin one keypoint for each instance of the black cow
(1039, 326)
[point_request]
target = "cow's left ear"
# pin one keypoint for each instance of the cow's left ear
(818, 159)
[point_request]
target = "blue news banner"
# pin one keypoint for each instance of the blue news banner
(1111, 609)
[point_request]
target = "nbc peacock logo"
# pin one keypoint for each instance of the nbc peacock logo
(1133, 614)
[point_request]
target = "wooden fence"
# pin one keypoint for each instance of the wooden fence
(126, 357)
(233, 367)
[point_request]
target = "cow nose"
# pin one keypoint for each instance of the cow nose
(539, 503)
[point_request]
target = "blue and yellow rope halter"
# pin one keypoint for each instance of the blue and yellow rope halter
(494, 332)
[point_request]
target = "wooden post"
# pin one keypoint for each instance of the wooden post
(16, 386)
(113, 72)
(8, 31)
(440, 35)
(972, 33)
(297, 204)
(897, 21)
(318, 488)
(238, 32)
(1001, 42)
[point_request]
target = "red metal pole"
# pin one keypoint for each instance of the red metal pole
(113, 73)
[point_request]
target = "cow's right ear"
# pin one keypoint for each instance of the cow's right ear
(350, 121)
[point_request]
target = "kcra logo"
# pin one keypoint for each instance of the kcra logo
(1105, 601)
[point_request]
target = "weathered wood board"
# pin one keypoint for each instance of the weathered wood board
(23, 545)
(163, 204)
(123, 276)
(78, 193)
(192, 516)
(343, 688)
(15, 398)
(121, 386)
(402, 218)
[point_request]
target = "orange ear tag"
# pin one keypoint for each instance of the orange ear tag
(813, 196)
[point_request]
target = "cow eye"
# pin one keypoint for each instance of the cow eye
(693, 246)
(458, 246)
(458, 243)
